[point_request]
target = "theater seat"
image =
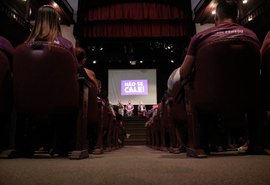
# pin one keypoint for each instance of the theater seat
(5, 83)
(46, 91)
(266, 78)
(265, 96)
(5, 99)
(224, 88)
(45, 78)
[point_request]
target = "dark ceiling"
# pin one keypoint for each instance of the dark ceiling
(117, 53)
(136, 52)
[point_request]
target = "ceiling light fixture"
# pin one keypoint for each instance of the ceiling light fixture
(132, 62)
(250, 18)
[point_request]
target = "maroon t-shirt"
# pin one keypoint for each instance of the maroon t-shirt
(221, 32)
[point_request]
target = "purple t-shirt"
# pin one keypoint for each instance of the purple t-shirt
(129, 107)
(221, 32)
(64, 42)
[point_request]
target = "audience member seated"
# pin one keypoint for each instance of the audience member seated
(84, 72)
(225, 29)
(47, 28)
(46, 96)
(92, 84)
(46, 40)
(151, 126)
(173, 119)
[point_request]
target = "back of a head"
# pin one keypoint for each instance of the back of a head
(47, 25)
(227, 9)
(80, 54)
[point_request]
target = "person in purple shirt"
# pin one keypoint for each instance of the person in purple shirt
(225, 28)
(129, 109)
(47, 28)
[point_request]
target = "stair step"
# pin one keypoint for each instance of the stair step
(135, 126)
(135, 142)
(137, 137)
(141, 130)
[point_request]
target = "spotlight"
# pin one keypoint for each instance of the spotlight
(132, 62)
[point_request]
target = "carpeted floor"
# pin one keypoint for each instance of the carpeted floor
(137, 165)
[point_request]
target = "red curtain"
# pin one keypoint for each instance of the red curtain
(136, 20)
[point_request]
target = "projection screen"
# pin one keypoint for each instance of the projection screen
(136, 85)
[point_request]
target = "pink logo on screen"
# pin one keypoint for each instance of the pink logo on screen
(134, 87)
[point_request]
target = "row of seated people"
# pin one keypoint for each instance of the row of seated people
(51, 103)
(219, 108)
(223, 86)
(54, 109)
(107, 132)
(110, 134)
(163, 129)
(45, 104)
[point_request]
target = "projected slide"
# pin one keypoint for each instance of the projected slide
(136, 85)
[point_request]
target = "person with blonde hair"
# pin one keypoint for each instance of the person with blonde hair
(47, 28)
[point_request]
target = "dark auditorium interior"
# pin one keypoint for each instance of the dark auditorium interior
(59, 128)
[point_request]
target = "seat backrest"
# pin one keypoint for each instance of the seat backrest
(226, 76)
(45, 78)
(266, 78)
(5, 84)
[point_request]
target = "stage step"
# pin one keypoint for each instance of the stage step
(135, 127)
